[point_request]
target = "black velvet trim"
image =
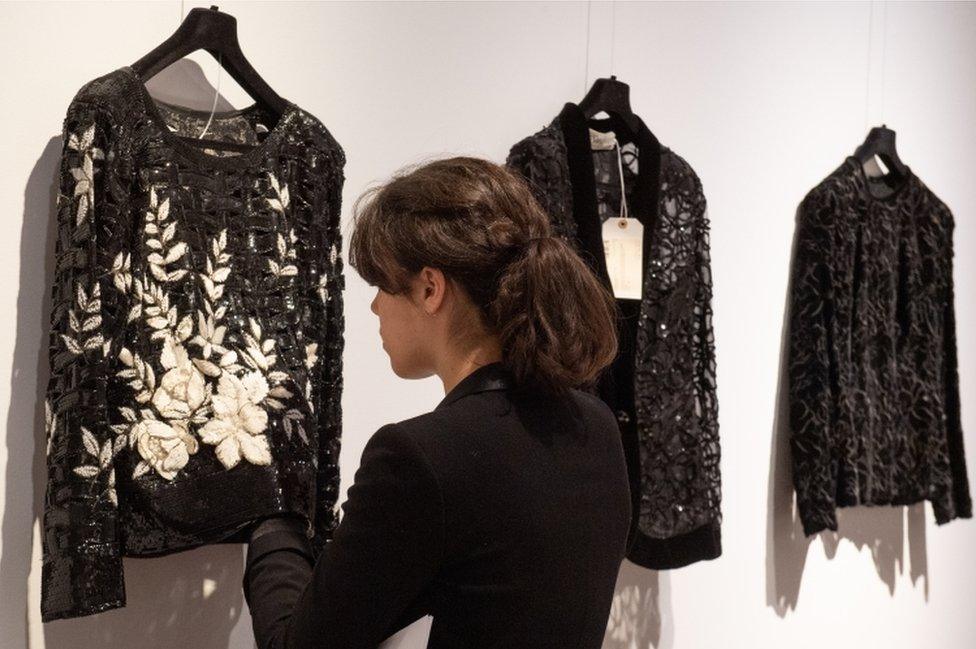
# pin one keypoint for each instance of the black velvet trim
(616, 385)
(700, 544)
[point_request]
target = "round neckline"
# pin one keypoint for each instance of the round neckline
(866, 183)
(190, 151)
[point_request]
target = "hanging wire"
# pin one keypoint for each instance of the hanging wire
(220, 69)
(586, 73)
(213, 108)
(613, 32)
(884, 56)
(867, 80)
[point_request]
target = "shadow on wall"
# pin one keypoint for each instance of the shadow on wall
(879, 528)
(191, 598)
(635, 613)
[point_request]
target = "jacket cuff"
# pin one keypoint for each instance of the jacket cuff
(700, 544)
(81, 583)
(816, 518)
(949, 507)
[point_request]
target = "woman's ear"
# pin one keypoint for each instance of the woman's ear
(433, 288)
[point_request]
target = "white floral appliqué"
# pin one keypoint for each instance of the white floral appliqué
(239, 420)
(165, 447)
(219, 396)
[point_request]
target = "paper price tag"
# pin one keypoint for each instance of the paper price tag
(623, 240)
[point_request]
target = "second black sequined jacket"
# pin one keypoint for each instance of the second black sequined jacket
(662, 384)
(873, 382)
(196, 335)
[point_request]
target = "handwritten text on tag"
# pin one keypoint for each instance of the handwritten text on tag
(623, 244)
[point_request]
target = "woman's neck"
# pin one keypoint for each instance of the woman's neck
(453, 370)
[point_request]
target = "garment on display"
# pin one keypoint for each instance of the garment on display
(196, 334)
(873, 379)
(662, 383)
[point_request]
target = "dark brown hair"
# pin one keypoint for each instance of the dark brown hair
(479, 223)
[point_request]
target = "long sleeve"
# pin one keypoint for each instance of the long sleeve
(705, 370)
(331, 382)
(543, 166)
(82, 557)
(961, 502)
(384, 553)
(809, 368)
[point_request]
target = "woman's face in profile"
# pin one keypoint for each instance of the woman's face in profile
(407, 332)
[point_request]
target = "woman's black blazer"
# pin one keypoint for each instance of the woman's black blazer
(503, 514)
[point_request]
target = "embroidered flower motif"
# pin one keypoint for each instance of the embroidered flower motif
(85, 174)
(165, 447)
(182, 389)
(183, 408)
(240, 420)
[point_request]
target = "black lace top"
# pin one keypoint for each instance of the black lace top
(662, 383)
(196, 335)
(874, 389)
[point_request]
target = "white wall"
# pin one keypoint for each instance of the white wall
(762, 99)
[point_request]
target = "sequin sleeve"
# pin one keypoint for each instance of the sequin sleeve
(675, 383)
(82, 558)
(706, 390)
(541, 162)
(810, 368)
(332, 283)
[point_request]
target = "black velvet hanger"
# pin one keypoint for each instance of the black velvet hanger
(216, 32)
(613, 97)
(881, 142)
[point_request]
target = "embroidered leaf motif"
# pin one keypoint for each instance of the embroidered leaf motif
(283, 266)
(90, 306)
(155, 218)
(91, 444)
(141, 468)
(50, 424)
(103, 456)
(84, 175)
(280, 202)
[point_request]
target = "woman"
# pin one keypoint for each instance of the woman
(503, 513)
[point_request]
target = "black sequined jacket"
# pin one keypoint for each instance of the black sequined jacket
(873, 382)
(662, 383)
(196, 335)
